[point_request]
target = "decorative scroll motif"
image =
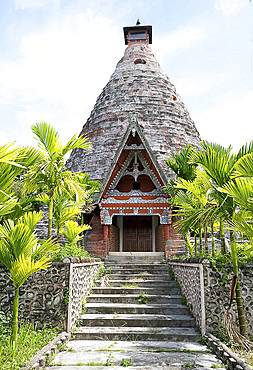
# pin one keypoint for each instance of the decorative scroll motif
(135, 173)
(155, 192)
(107, 217)
(134, 147)
(135, 200)
(133, 117)
(165, 219)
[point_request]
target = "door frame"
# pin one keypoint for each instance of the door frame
(120, 226)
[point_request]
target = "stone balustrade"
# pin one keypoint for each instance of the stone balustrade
(52, 296)
(207, 290)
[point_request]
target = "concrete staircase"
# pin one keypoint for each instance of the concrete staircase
(137, 322)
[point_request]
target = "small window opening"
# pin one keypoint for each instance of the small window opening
(136, 186)
(140, 61)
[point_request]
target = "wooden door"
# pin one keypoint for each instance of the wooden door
(137, 234)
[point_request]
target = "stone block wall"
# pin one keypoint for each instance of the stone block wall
(197, 279)
(45, 296)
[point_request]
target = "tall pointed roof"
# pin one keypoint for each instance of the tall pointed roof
(138, 84)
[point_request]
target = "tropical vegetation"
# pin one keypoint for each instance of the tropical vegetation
(218, 196)
(30, 177)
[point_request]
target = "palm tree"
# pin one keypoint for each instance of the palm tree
(49, 174)
(222, 167)
(23, 254)
(194, 205)
(14, 161)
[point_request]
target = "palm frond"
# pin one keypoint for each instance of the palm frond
(24, 266)
(47, 137)
(73, 230)
(241, 190)
(77, 142)
(244, 166)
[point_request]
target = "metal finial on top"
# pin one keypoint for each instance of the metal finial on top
(138, 22)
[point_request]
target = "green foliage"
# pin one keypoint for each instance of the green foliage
(69, 250)
(19, 251)
(126, 363)
(220, 332)
(29, 342)
(142, 298)
(72, 231)
(110, 360)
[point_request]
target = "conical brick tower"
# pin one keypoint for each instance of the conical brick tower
(124, 142)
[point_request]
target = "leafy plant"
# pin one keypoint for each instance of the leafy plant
(142, 298)
(19, 251)
(29, 342)
(72, 250)
(126, 363)
(109, 360)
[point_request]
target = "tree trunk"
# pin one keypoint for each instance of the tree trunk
(240, 310)
(50, 215)
(206, 241)
(14, 332)
(200, 242)
(222, 236)
(213, 245)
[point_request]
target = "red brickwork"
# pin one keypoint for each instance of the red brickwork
(175, 244)
(159, 239)
(96, 246)
(114, 239)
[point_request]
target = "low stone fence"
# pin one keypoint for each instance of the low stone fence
(52, 296)
(207, 290)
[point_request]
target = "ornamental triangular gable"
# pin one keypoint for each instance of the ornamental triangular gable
(134, 182)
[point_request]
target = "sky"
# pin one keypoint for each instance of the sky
(57, 55)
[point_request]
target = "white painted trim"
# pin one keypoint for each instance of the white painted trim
(120, 226)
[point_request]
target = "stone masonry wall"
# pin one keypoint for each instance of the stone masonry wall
(45, 297)
(214, 290)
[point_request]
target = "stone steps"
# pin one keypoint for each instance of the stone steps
(132, 320)
(141, 282)
(121, 276)
(137, 333)
(129, 297)
(119, 308)
(158, 333)
(149, 355)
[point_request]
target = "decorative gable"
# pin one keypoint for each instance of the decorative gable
(134, 182)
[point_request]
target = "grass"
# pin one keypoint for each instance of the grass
(29, 342)
(127, 286)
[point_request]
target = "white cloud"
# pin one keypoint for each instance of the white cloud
(230, 7)
(180, 40)
(4, 137)
(60, 72)
(230, 121)
(198, 84)
(35, 4)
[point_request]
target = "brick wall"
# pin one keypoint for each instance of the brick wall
(94, 241)
(159, 239)
(175, 245)
(114, 239)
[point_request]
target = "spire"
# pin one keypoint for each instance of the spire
(138, 34)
